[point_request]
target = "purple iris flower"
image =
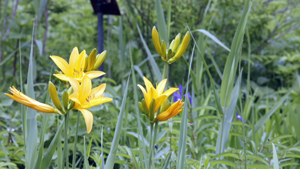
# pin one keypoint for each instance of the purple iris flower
(239, 117)
(178, 95)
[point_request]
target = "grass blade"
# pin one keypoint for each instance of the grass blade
(51, 149)
(225, 125)
(275, 158)
(31, 123)
(115, 143)
(212, 37)
(183, 126)
(142, 149)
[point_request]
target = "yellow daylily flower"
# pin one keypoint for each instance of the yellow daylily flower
(85, 97)
(75, 68)
(175, 51)
(154, 97)
(29, 102)
(172, 111)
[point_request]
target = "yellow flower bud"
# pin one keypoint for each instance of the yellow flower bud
(54, 96)
(92, 60)
(163, 48)
(155, 38)
(99, 60)
(182, 48)
(176, 42)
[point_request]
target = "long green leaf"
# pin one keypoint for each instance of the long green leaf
(184, 125)
(225, 125)
(212, 37)
(150, 56)
(233, 58)
(31, 123)
(161, 23)
(52, 147)
(118, 131)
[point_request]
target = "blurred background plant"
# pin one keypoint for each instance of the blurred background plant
(269, 58)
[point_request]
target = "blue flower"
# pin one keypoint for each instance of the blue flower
(178, 95)
(239, 117)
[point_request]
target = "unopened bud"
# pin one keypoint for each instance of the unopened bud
(54, 96)
(91, 60)
(99, 60)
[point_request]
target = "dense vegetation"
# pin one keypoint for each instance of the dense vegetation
(240, 70)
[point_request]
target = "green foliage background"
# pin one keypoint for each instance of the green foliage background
(57, 26)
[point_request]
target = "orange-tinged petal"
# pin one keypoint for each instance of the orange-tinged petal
(88, 118)
(159, 101)
(62, 64)
(94, 74)
(161, 86)
(170, 91)
(29, 102)
(75, 84)
(73, 58)
(98, 91)
(146, 95)
(172, 111)
(148, 84)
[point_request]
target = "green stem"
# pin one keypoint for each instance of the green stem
(151, 144)
(75, 142)
(66, 151)
(166, 70)
(221, 139)
(154, 139)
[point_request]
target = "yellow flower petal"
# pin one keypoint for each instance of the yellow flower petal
(88, 118)
(94, 74)
(62, 64)
(74, 98)
(96, 101)
(80, 63)
(148, 84)
(85, 89)
(73, 57)
(75, 85)
(170, 91)
(98, 91)
(146, 96)
(161, 86)
(61, 77)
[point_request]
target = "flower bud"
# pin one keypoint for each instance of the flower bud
(92, 60)
(99, 60)
(54, 96)
(65, 100)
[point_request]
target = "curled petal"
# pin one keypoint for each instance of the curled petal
(88, 118)
(94, 74)
(62, 64)
(172, 111)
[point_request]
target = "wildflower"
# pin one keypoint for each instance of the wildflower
(85, 97)
(94, 61)
(175, 50)
(178, 95)
(75, 68)
(29, 102)
(239, 117)
(154, 98)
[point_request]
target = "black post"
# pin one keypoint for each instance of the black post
(100, 37)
